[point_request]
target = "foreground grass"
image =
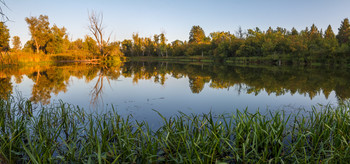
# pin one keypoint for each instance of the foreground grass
(63, 133)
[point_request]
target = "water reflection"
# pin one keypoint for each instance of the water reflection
(278, 80)
(106, 72)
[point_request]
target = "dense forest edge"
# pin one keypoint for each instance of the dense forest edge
(273, 46)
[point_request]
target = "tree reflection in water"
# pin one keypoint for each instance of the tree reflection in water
(278, 80)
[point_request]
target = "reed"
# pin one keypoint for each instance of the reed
(64, 133)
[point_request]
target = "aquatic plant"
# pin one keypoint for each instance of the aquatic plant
(66, 133)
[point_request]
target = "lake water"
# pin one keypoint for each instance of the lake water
(138, 88)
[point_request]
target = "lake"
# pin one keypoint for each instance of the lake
(138, 88)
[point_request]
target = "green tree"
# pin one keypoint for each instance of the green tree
(56, 42)
(29, 47)
(16, 42)
(177, 48)
(329, 34)
(137, 46)
(77, 45)
(344, 31)
(126, 47)
(39, 30)
(4, 37)
(91, 45)
(162, 45)
(330, 42)
(197, 35)
(294, 32)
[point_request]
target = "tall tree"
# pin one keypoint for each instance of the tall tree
(344, 31)
(126, 47)
(39, 29)
(294, 32)
(4, 37)
(314, 32)
(57, 37)
(329, 34)
(97, 30)
(330, 43)
(197, 35)
(16, 42)
(162, 45)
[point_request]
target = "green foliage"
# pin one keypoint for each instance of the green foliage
(66, 134)
(4, 37)
(49, 40)
(91, 46)
(308, 43)
(113, 49)
(344, 32)
(57, 38)
(299, 45)
(16, 42)
(39, 30)
(197, 35)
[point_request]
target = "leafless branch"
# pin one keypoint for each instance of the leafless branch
(3, 16)
(97, 30)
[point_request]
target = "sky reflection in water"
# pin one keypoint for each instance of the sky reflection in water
(138, 88)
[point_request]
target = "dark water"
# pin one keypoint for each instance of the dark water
(138, 87)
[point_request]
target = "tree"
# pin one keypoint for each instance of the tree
(330, 42)
(4, 37)
(294, 32)
(16, 42)
(197, 35)
(126, 47)
(39, 30)
(57, 37)
(97, 30)
(314, 32)
(329, 34)
(162, 45)
(344, 31)
(91, 46)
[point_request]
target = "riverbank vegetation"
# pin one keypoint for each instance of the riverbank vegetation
(273, 45)
(64, 133)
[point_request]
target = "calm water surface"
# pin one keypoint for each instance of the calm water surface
(139, 87)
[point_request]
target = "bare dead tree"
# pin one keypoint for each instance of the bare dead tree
(97, 30)
(3, 16)
(97, 90)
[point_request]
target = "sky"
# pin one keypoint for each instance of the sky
(175, 18)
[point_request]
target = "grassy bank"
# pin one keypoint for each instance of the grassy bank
(64, 133)
(25, 58)
(290, 60)
(173, 58)
(264, 60)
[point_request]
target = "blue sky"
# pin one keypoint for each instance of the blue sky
(176, 17)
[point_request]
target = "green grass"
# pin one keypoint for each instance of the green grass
(63, 133)
(173, 58)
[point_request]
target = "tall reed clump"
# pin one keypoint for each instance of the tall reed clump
(64, 133)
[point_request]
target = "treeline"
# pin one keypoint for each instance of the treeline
(251, 43)
(254, 42)
(46, 39)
